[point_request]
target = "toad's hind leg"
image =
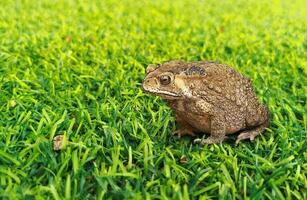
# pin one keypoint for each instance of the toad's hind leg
(251, 134)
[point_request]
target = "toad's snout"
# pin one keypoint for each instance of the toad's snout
(150, 84)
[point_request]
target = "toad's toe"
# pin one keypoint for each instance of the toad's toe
(247, 135)
(183, 132)
(213, 140)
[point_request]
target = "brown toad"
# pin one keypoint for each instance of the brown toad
(208, 97)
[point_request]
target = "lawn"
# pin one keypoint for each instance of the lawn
(75, 68)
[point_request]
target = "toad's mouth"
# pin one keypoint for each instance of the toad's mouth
(163, 94)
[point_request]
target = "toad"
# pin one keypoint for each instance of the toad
(208, 97)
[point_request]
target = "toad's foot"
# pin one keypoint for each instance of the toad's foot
(210, 140)
(250, 134)
(184, 131)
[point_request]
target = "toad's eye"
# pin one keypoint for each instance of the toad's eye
(165, 80)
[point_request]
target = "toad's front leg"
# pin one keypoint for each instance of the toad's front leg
(185, 127)
(217, 121)
(218, 130)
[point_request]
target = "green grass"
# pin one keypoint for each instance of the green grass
(75, 68)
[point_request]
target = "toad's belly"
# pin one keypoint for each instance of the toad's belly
(199, 122)
(202, 123)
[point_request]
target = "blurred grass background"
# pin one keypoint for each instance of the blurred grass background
(75, 68)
